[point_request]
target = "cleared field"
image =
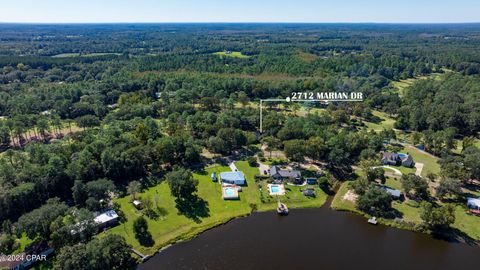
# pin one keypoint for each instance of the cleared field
(232, 54)
(386, 122)
(430, 162)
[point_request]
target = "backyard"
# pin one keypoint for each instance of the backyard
(171, 226)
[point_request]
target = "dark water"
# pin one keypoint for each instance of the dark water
(313, 239)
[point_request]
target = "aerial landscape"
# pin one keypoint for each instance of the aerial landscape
(238, 143)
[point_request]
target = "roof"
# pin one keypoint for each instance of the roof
(389, 156)
(106, 217)
(473, 202)
(309, 192)
(232, 176)
(136, 202)
(285, 173)
(393, 192)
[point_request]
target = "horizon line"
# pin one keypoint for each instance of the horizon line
(242, 22)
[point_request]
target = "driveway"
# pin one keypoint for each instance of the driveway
(419, 167)
(396, 171)
(263, 167)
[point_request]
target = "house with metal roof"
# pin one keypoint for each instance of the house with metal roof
(106, 219)
(395, 193)
(233, 178)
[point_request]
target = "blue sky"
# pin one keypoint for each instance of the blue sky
(416, 11)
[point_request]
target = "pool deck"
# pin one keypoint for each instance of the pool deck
(281, 189)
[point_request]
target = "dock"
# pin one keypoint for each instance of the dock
(373, 220)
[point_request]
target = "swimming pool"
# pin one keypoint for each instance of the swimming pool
(402, 155)
(276, 189)
(230, 192)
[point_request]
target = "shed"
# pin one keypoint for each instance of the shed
(137, 204)
(311, 181)
(214, 177)
(234, 178)
(473, 203)
(393, 192)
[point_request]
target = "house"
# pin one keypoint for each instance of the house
(233, 178)
(106, 219)
(397, 159)
(285, 175)
(396, 194)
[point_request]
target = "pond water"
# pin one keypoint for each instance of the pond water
(313, 239)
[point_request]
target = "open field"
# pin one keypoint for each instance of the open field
(232, 54)
(385, 123)
(403, 84)
(172, 226)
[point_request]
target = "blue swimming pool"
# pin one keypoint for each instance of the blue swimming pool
(402, 155)
(229, 192)
(274, 189)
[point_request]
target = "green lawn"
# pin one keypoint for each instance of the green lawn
(339, 203)
(232, 54)
(430, 163)
(172, 226)
(386, 122)
(467, 223)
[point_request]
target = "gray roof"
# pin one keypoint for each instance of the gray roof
(394, 192)
(275, 170)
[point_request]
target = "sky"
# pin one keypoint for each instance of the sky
(327, 11)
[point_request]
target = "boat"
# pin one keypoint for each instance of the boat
(282, 209)
(373, 220)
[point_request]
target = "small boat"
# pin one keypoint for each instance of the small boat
(373, 220)
(282, 209)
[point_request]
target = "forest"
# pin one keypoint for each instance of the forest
(89, 113)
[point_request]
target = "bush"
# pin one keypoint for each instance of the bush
(252, 161)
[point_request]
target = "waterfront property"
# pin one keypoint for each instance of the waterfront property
(278, 174)
(230, 193)
(106, 219)
(397, 159)
(233, 178)
(275, 189)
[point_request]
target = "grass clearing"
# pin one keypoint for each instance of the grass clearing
(386, 122)
(232, 54)
(307, 57)
(467, 223)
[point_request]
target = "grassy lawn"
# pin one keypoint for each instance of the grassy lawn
(430, 163)
(172, 226)
(386, 122)
(232, 54)
(339, 203)
(403, 84)
(467, 223)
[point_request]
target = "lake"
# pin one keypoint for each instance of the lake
(313, 239)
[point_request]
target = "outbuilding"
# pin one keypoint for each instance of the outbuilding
(233, 178)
